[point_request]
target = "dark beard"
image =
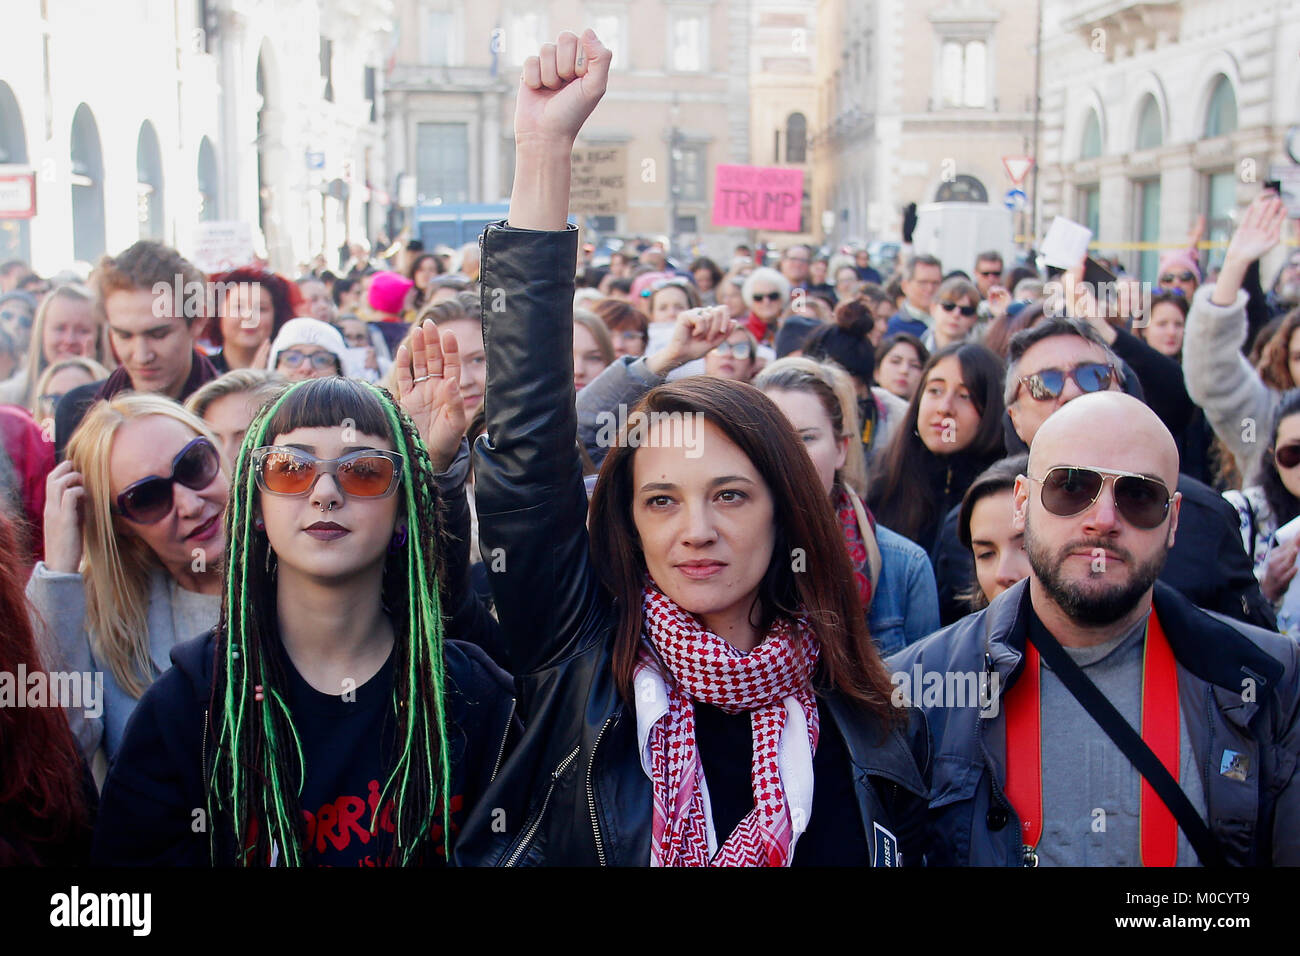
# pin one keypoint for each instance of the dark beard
(1091, 608)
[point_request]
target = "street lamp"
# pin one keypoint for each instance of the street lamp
(674, 187)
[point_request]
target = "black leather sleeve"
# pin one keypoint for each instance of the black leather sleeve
(467, 619)
(532, 506)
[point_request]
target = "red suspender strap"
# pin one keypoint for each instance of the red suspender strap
(1024, 786)
(1160, 732)
(1024, 783)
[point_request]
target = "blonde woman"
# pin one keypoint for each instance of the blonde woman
(229, 404)
(56, 381)
(134, 533)
(66, 326)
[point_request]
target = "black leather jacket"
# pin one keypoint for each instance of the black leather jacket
(573, 791)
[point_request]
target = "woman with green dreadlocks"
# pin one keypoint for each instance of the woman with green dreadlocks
(327, 720)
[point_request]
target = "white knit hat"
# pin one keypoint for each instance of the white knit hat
(303, 331)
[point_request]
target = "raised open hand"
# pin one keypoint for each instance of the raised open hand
(428, 389)
(1260, 228)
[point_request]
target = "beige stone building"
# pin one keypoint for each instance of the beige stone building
(783, 98)
(920, 101)
(148, 123)
(1157, 112)
(678, 101)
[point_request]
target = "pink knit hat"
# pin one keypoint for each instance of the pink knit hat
(1179, 261)
(388, 292)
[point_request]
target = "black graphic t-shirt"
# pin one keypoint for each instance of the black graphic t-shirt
(349, 747)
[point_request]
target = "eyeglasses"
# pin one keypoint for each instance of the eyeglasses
(630, 336)
(23, 318)
(739, 349)
(1068, 491)
(293, 473)
(991, 275)
(319, 360)
(966, 310)
(1048, 383)
(149, 500)
(1169, 290)
(766, 296)
(1169, 278)
(1288, 456)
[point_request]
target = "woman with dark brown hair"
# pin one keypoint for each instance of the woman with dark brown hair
(45, 791)
(708, 628)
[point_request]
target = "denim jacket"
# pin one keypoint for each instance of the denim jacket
(905, 604)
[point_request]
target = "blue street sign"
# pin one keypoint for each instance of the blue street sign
(1015, 199)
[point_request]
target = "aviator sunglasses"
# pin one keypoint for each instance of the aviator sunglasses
(293, 473)
(1048, 383)
(149, 500)
(1068, 491)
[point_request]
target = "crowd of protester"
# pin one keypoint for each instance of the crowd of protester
(371, 560)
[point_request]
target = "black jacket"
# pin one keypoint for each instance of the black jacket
(153, 808)
(157, 780)
(1256, 819)
(573, 792)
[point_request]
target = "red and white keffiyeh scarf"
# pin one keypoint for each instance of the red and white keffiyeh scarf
(702, 666)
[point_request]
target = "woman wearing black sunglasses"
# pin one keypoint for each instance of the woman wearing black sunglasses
(952, 313)
(326, 720)
(133, 541)
(1271, 503)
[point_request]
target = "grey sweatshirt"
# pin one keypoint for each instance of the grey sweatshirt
(1237, 403)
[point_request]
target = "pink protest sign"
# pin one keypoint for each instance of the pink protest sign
(758, 197)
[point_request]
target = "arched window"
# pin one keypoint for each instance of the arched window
(1221, 114)
(15, 234)
(1090, 148)
(207, 181)
(149, 183)
(962, 188)
(1150, 132)
(796, 138)
(88, 242)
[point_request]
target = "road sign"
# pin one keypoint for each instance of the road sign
(1015, 199)
(1017, 167)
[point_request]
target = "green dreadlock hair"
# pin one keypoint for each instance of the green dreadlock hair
(257, 770)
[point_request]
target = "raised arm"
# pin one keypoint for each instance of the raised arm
(528, 481)
(626, 380)
(1218, 377)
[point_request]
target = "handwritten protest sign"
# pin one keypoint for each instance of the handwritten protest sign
(598, 185)
(758, 197)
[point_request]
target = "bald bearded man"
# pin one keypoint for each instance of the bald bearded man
(1027, 773)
